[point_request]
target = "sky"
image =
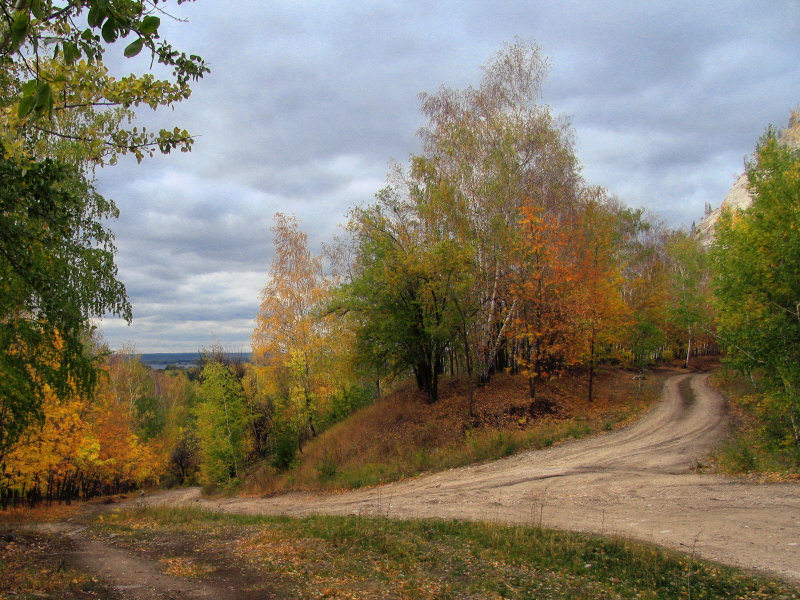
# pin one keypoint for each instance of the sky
(308, 104)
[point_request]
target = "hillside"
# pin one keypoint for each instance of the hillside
(401, 435)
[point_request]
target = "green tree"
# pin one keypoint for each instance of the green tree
(642, 261)
(57, 272)
(688, 287)
(222, 425)
(756, 284)
(407, 277)
(58, 101)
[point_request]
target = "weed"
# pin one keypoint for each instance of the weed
(751, 446)
(327, 467)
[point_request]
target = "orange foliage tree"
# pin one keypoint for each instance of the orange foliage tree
(543, 279)
(83, 446)
(601, 310)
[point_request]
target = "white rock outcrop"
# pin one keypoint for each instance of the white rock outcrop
(739, 198)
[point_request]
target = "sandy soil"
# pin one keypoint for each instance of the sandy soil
(637, 482)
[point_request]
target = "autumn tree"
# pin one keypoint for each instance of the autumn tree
(291, 330)
(82, 446)
(756, 283)
(601, 310)
(497, 146)
(543, 281)
(49, 455)
(127, 455)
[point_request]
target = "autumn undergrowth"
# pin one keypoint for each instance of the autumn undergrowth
(751, 449)
(378, 557)
(401, 436)
(39, 513)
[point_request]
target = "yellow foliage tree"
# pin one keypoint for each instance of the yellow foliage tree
(300, 349)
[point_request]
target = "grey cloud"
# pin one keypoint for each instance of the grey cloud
(307, 105)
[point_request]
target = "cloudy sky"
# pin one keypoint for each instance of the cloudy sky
(308, 103)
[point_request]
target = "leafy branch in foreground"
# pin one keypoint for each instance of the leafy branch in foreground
(56, 86)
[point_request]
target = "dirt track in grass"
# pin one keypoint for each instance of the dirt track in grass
(637, 482)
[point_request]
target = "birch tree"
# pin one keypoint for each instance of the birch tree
(498, 147)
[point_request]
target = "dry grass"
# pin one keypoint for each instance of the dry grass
(54, 512)
(401, 435)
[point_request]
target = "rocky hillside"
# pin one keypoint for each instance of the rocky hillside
(739, 198)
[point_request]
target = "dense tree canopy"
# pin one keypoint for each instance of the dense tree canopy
(56, 272)
(221, 425)
(756, 263)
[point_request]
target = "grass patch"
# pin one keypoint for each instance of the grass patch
(347, 557)
(685, 388)
(401, 436)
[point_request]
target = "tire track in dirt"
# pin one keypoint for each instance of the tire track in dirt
(637, 482)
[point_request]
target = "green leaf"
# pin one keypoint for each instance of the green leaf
(19, 28)
(29, 87)
(149, 25)
(43, 98)
(134, 48)
(25, 106)
(96, 16)
(71, 52)
(37, 8)
(110, 31)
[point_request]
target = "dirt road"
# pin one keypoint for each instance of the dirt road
(637, 482)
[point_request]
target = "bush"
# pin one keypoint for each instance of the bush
(327, 467)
